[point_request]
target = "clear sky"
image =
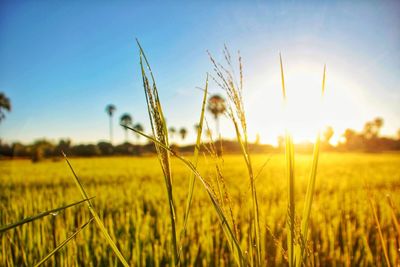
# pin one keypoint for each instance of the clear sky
(62, 62)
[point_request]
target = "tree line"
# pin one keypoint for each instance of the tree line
(367, 140)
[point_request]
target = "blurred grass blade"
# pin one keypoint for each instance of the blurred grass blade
(234, 244)
(289, 154)
(62, 244)
(305, 219)
(195, 160)
(378, 225)
(38, 216)
(393, 214)
(96, 217)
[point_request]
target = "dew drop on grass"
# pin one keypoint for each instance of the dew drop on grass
(54, 213)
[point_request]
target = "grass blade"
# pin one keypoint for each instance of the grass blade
(289, 154)
(38, 216)
(160, 132)
(236, 249)
(195, 160)
(96, 217)
(305, 219)
(378, 225)
(236, 112)
(62, 244)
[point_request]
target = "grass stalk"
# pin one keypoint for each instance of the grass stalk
(289, 155)
(160, 132)
(226, 80)
(378, 225)
(40, 215)
(229, 233)
(305, 219)
(95, 216)
(192, 178)
(62, 244)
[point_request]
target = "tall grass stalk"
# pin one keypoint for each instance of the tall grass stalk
(378, 225)
(62, 244)
(393, 214)
(305, 219)
(192, 179)
(95, 216)
(160, 132)
(296, 248)
(236, 112)
(289, 154)
(40, 215)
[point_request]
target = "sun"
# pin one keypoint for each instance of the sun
(303, 108)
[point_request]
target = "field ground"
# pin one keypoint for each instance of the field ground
(130, 197)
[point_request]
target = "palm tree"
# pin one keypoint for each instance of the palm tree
(183, 133)
(5, 104)
(138, 127)
(172, 132)
(125, 120)
(216, 106)
(110, 109)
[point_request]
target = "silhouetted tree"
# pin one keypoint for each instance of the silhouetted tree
(5, 104)
(183, 133)
(110, 109)
(378, 122)
(372, 128)
(63, 146)
(216, 106)
(172, 132)
(105, 148)
(126, 120)
(368, 130)
(138, 127)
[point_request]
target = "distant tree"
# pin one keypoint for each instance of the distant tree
(42, 149)
(106, 148)
(64, 145)
(5, 104)
(216, 106)
(378, 123)
(368, 130)
(172, 132)
(328, 133)
(86, 150)
(183, 133)
(372, 128)
(138, 127)
(110, 109)
(349, 135)
(126, 120)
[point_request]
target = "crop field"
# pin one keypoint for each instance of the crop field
(129, 196)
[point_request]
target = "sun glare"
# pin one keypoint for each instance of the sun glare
(303, 112)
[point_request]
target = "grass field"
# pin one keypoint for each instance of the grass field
(130, 198)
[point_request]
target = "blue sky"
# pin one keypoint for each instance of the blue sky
(62, 62)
